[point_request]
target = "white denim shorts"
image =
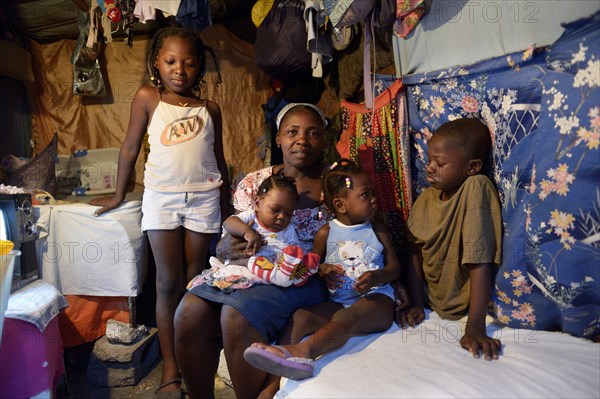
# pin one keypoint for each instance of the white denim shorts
(196, 211)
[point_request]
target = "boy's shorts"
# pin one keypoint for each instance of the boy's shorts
(195, 211)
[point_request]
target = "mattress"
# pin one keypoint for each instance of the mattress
(81, 254)
(428, 362)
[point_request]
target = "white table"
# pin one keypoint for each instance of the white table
(83, 254)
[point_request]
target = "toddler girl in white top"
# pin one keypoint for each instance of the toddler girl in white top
(274, 249)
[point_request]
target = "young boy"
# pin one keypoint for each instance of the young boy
(455, 230)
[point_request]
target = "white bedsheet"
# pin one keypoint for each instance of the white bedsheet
(428, 362)
(82, 254)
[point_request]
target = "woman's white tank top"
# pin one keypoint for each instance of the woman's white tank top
(182, 150)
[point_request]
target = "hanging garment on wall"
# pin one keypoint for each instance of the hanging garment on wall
(260, 10)
(408, 14)
(317, 43)
(87, 75)
(194, 14)
(280, 46)
(377, 140)
(145, 10)
(348, 12)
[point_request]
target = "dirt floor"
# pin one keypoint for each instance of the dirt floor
(76, 362)
(77, 359)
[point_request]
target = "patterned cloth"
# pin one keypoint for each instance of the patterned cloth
(543, 110)
(36, 303)
(408, 14)
(378, 141)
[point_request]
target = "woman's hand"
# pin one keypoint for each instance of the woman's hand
(254, 241)
(232, 248)
(106, 204)
(333, 275)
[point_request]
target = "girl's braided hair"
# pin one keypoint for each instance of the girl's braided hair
(280, 181)
(185, 33)
(336, 180)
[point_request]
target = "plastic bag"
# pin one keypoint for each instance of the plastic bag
(280, 45)
(348, 12)
(87, 76)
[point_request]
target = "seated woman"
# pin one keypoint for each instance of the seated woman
(208, 319)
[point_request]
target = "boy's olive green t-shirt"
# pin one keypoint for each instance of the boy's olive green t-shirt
(465, 229)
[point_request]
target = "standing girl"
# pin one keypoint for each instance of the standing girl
(185, 179)
(359, 265)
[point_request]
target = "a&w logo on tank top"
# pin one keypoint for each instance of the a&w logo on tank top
(181, 130)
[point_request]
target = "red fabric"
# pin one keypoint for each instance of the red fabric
(377, 139)
(85, 318)
(30, 361)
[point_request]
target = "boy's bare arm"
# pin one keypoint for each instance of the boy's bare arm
(415, 313)
(475, 338)
(414, 275)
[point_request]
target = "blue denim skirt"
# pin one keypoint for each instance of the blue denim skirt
(267, 307)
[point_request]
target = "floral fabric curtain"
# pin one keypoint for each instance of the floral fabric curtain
(542, 107)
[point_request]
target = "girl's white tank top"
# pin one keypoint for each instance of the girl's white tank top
(182, 154)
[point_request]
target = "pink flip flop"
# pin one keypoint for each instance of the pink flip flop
(295, 368)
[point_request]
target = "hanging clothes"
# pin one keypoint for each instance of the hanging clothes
(145, 10)
(408, 14)
(317, 43)
(377, 139)
(194, 14)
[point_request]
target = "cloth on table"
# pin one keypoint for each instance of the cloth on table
(36, 303)
(82, 254)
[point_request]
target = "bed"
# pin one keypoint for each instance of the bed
(548, 280)
(428, 362)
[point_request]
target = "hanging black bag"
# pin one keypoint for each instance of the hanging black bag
(280, 46)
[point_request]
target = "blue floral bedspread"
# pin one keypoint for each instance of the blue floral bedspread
(542, 107)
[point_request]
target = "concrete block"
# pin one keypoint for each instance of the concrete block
(117, 365)
(118, 332)
(109, 352)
